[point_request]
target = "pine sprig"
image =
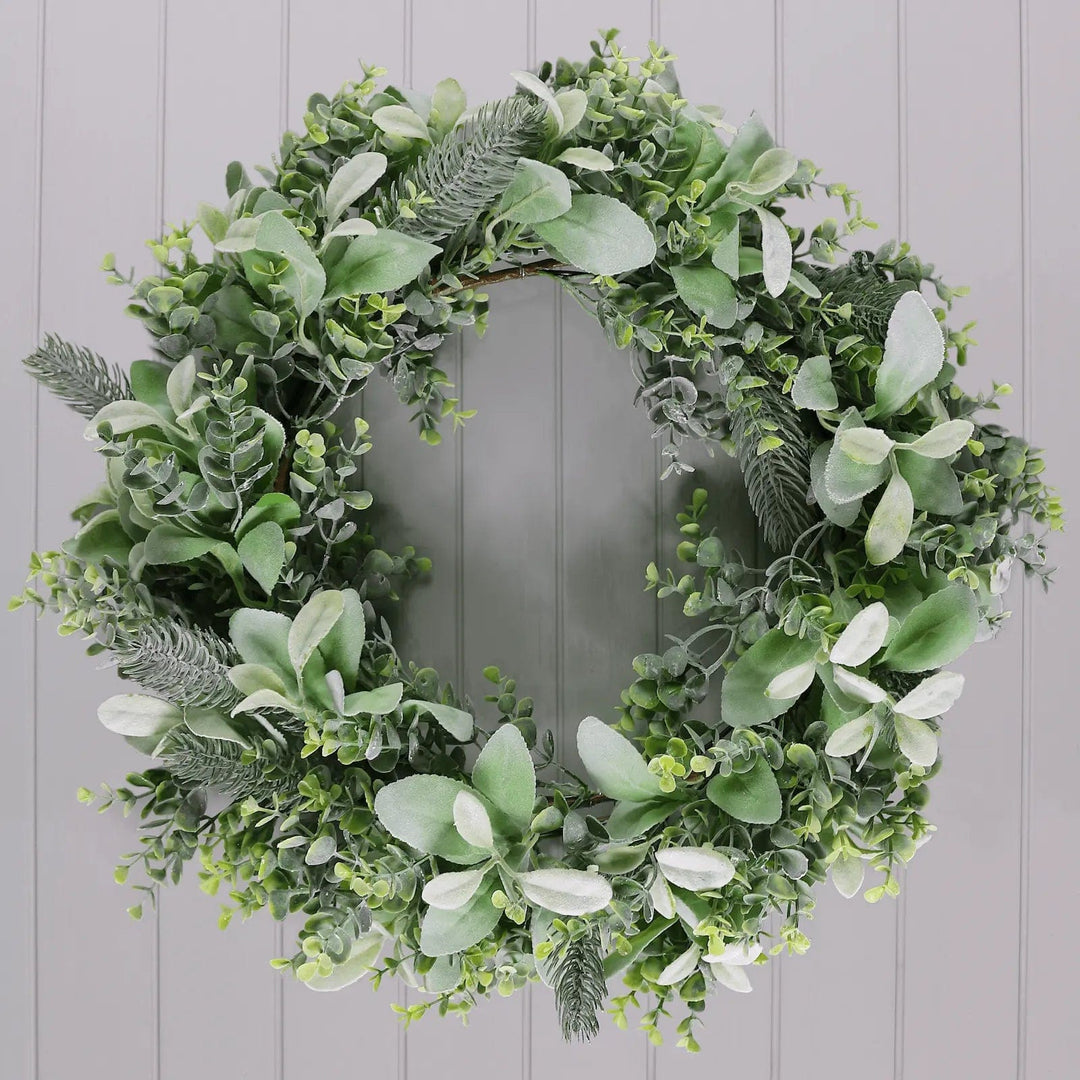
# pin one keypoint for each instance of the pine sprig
(777, 479)
(186, 665)
(196, 762)
(77, 375)
(871, 294)
(463, 175)
(577, 978)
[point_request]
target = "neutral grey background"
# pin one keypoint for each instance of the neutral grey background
(956, 119)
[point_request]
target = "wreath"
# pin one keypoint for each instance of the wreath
(228, 564)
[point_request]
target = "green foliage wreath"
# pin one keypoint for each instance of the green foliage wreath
(228, 566)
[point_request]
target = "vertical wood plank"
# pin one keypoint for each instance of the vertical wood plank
(831, 48)
(21, 61)
(961, 939)
(606, 509)
(328, 39)
(503, 551)
(1050, 1039)
(97, 969)
(228, 112)
(738, 1027)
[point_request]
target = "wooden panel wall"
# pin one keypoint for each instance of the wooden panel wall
(953, 119)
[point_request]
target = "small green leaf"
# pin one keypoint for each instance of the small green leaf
(446, 932)
(566, 892)
(942, 440)
(139, 715)
(775, 252)
(866, 445)
(457, 722)
(916, 739)
(504, 773)
(377, 702)
(753, 796)
(322, 850)
(585, 157)
(936, 631)
(696, 868)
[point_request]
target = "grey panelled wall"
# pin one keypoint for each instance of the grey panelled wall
(954, 118)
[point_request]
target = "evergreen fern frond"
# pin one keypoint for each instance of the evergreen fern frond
(465, 173)
(872, 295)
(577, 978)
(217, 765)
(777, 480)
(186, 665)
(77, 376)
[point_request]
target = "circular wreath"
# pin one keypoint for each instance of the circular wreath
(229, 568)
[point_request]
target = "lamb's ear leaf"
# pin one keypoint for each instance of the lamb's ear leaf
(914, 353)
(312, 623)
(262, 637)
(342, 645)
(419, 811)
(446, 932)
(743, 699)
(139, 715)
(504, 772)
(936, 631)
(614, 763)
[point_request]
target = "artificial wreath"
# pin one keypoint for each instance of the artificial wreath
(228, 566)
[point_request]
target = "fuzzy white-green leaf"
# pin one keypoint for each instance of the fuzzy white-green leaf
(891, 522)
(566, 892)
(775, 252)
(916, 739)
(600, 235)
(614, 763)
(813, 387)
(857, 687)
(866, 445)
(862, 637)
(847, 875)
(472, 822)
(351, 180)
(932, 697)
(402, 121)
(680, 968)
(942, 441)
(695, 868)
(139, 715)
(537, 192)
(312, 623)
(851, 737)
(914, 353)
(585, 157)
(452, 890)
(793, 682)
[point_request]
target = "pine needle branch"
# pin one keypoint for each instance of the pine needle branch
(777, 480)
(186, 665)
(465, 173)
(217, 765)
(77, 376)
(577, 978)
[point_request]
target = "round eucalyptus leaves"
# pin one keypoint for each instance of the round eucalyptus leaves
(229, 567)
